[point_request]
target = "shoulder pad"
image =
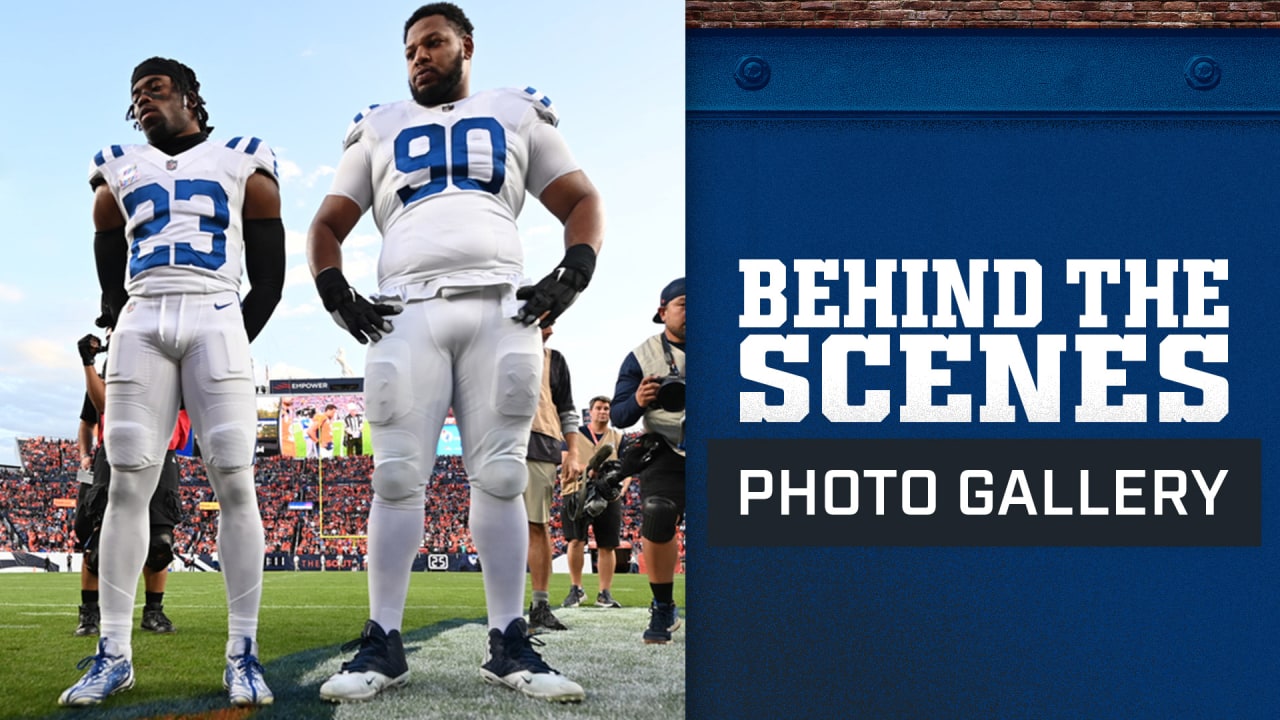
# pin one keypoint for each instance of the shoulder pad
(105, 155)
(263, 155)
(356, 128)
(542, 104)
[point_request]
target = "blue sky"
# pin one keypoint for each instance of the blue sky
(294, 74)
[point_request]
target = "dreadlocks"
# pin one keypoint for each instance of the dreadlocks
(184, 80)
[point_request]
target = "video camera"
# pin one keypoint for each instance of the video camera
(600, 484)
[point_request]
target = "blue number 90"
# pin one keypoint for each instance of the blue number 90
(436, 159)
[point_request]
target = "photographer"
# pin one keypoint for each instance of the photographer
(651, 387)
(95, 478)
(607, 525)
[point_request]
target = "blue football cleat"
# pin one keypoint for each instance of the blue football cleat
(109, 673)
(243, 677)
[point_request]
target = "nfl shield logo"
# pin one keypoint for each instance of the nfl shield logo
(171, 165)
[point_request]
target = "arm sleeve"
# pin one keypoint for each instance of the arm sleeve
(562, 394)
(623, 411)
(264, 263)
(354, 177)
(549, 158)
(111, 255)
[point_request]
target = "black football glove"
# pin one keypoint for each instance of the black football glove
(89, 347)
(110, 307)
(556, 292)
(364, 320)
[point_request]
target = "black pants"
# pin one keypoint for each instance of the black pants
(91, 503)
(664, 478)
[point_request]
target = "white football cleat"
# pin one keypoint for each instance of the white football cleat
(514, 663)
(378, 665)
(243, 677)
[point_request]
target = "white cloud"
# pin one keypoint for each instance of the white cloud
(539, 233)
(360, 266)
(286, 309)
(361, 240)
(297, 275)
(288, 170)
(43, 403)
(360, 269)
(320, 172)
(40, 352)
(10, 294)
(282, 371)
(356, 263)
(295, 242)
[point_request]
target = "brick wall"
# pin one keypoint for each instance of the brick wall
(983, 13)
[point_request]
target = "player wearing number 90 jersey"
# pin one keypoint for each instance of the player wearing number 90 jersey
(446, 184)
(446, 175)
(173, 219)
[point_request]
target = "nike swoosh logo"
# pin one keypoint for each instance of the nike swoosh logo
(224, 306)
(370, 681)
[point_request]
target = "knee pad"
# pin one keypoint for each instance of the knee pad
(125, 448)
(501, 477)
(160, 553)
(397, 480)
(228, 446)
(658, 519)
(398, 475)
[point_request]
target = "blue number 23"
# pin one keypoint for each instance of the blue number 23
(183, 254)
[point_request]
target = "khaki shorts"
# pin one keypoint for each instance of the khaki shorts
(537, 494)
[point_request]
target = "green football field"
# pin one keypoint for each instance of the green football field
(305, 617)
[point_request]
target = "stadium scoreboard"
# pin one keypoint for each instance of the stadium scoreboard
(286, 409)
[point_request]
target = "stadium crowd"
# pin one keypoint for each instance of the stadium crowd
(338, 491)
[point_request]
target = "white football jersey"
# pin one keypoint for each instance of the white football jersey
(447, 183)
(183, 213)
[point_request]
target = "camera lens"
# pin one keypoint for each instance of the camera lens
(671, 394)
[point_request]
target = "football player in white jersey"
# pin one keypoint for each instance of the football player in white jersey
(446, 175)
(173, 219)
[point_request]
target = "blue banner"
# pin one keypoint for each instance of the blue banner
(983, 289)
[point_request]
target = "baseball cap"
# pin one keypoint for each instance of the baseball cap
(673, 290)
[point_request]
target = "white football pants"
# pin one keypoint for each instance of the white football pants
(167, 350)
(462, 351)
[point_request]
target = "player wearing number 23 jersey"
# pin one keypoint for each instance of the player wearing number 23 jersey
(174, 218)
(446, 175)
(182, 213)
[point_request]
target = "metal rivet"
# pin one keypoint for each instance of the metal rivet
(1203, 73)
(752, 72)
